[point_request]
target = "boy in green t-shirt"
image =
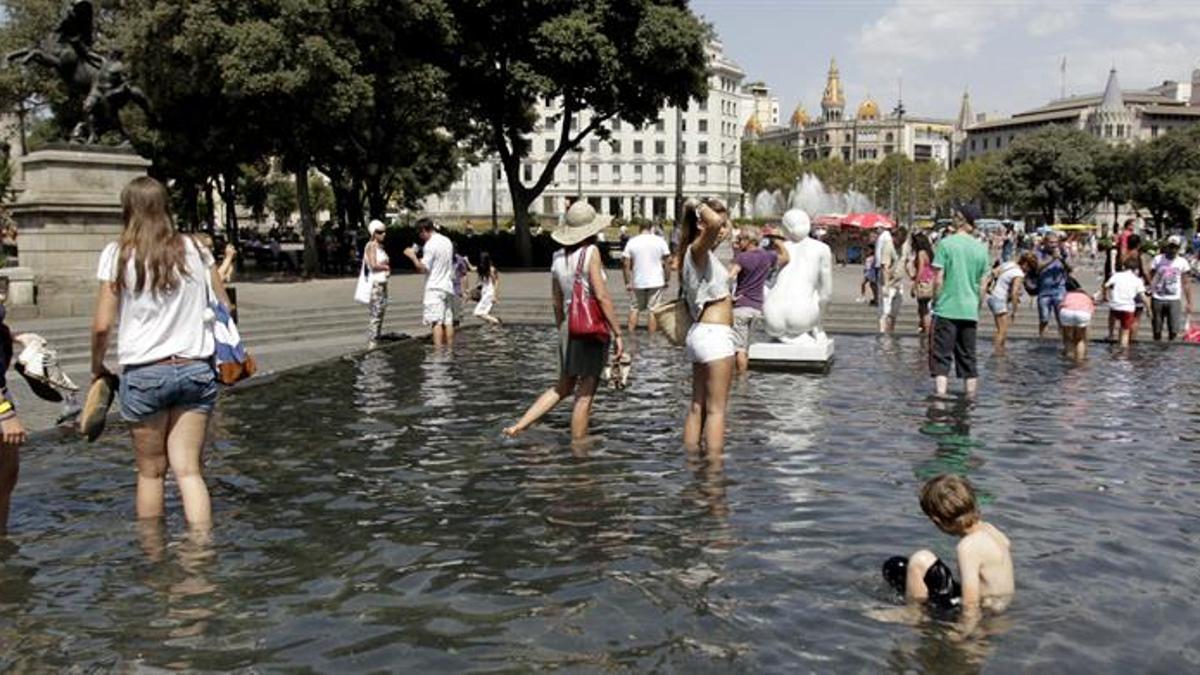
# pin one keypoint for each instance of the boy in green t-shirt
(961, 262)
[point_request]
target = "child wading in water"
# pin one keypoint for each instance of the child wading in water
(984, 561)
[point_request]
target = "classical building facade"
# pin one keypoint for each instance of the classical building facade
(764, 106)
(1116, 115)
(867, 136)
(633, 173)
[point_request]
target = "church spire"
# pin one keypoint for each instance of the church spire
(966, 117)
(833, 102)
(1112, 93)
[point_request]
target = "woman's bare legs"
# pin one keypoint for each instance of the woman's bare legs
(10, 467)
(544, 404)
(693, 426)
(720, 376)
(585, 393)
(185, 443)
(998, 340)
(150, 445)
(172, 438)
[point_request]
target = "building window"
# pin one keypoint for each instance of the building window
(594, 147)
(660, 125)
(1154, 131)
(890, 137)
(660, 173)
(594, 170)
(574, 122)
(615, 145)
(703, 175)
(548, 205)
(683, 125)
(704, 126)
(572, 169)
(616, 173)
(704, 105)
(614, 206)
(703, 148)
(1108, 131)
(637, 147)
(887, 149)
(847, 138)
(616, 124)
(637, 173)
(1120, 131)
(660, 147)
(527, 172)
(985, 144)
(972, 143)
(549, 122)
(683, 147)
(549, 145)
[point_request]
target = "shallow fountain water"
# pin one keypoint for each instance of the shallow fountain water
(811, 195)
(370, 517)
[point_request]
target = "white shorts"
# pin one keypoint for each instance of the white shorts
(439, 308)
(708, 342)
(997, 306)
(890, 304)
(1074, 318)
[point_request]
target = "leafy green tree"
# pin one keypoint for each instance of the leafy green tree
(768, 167)
(1114, 171)
(1165, 177)
(588, 61)
(1057, 168)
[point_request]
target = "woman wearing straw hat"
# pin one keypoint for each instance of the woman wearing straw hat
(157, 281)
(581, 361)
(710, 341)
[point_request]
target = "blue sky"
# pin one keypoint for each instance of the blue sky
(1007, 53)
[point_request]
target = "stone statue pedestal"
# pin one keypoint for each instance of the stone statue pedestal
(808, 354)
(67, 209)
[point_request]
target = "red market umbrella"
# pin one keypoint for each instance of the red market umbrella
(867, 221)
(827, 221)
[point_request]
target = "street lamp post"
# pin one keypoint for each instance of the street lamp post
(495, 209)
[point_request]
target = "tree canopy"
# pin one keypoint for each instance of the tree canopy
(768, 167)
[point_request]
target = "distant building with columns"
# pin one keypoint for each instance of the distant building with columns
(1117, 116)
(867, 136)
(631, 174)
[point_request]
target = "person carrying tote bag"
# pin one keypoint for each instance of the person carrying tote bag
(584, 314)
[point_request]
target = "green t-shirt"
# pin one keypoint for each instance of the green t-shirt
(964, 262)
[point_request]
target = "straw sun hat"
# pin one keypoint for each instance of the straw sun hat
(581, 222)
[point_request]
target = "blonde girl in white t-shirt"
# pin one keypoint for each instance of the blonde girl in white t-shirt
(154, 280)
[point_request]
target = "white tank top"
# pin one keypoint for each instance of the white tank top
(701, 288)
(381, 258)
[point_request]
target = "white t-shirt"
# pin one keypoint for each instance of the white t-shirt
(153, 326)
(1009, 273)
(1124, 288)
(438, 258)
(1167, 277)
(563, 268)
(647, 252)
(884, 237)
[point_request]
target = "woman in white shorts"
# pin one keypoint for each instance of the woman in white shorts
(1005, 295)
(710, 342)
(1075, 315)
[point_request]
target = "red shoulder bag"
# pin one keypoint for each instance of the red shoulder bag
(585, 320)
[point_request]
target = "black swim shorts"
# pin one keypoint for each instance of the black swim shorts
(953, 341)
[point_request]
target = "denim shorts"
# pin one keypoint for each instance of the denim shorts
(149, 390)
(1048, 307)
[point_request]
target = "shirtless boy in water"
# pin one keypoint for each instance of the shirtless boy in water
(984, 560)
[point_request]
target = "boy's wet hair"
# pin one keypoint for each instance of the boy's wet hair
(949, 501)
(1131, 263)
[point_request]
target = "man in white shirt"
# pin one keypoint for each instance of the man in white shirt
(1169, 288)
(646, 259)
(437, 263)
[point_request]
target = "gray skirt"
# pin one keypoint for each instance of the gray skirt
(581, 358)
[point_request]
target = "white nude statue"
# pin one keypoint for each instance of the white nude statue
(793, 307)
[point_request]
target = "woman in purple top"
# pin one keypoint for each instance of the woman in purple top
(752, 266)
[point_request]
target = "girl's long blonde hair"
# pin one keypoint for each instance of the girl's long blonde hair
(157, 249)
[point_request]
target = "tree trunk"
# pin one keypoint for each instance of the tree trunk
(376, 200)
(521, 219)
(355, 204)
(308, 220)
(210, 207)
(231, 219)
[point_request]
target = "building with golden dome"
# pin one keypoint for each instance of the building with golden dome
(868, 136)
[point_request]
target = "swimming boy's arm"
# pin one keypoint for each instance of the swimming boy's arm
(972, 597)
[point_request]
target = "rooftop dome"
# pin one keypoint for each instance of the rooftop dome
(753, 126)
(799, 117)
(868, 111)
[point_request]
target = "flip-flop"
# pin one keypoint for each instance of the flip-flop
(94, 415)
(40, 387)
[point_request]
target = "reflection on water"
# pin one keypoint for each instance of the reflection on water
(369, 516)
